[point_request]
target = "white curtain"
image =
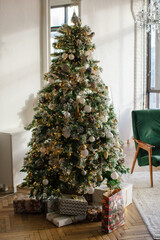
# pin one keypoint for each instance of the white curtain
(140, 58)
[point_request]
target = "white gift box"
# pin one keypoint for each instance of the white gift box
(63, 220)
(127, 193)
(98, 194)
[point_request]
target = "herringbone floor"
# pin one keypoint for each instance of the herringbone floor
(36, 227)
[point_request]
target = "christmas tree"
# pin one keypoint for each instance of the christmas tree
(75, 143)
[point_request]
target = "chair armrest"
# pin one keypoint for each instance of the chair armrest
(144, 145)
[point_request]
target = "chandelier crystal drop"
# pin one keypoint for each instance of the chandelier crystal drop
(149, 17)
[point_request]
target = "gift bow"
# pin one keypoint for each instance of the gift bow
(75, 197)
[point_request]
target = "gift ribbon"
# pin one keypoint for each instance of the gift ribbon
(75, 197)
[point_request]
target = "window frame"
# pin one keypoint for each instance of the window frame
(54, 29)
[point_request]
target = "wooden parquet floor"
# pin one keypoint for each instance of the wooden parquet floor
(36, 227)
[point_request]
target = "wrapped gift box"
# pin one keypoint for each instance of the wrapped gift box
(51, 205)
(72, 205)
(127, 193)
(112, 210)
(89, 198)
(63, 220)
(98, 194)
(94, 213)
(27, 205)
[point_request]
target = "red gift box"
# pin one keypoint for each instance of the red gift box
(27, 205)
(113, 212)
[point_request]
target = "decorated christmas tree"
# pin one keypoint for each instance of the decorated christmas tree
(75, 142)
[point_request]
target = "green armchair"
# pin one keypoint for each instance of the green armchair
(146, 133)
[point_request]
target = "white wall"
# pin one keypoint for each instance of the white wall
(20, 56)
(113, 25)
(19, 61)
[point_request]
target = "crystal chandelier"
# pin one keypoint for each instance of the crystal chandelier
(149, 17)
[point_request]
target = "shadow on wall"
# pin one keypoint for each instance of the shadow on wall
(26, 114)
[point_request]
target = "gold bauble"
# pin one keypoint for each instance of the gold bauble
(95, 68)
(29, 174)
(105, 155)
(35, 184)
(83, 147)
(89, 183)
(49, 169)
(47, 95)
(69, 154)
(115, 120)
(121, 149)
(61, 178)
(99, 178)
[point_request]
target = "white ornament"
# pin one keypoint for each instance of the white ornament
(88, 53)
(64, 55)
(84, 153)
(78, 97)
(71, 56)
(82, 100)
(87, 109)
(109, 135)
(91, 190)
(51, 80)
(79, 42)
(51, 106)
(91, 139)
(42, 149)
(45, 182)
(104, 118)
(114, 175)
(66, 134)
(84, 172)
(67, 115)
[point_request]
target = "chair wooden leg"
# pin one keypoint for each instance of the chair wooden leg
(135, 157)
(150, 167)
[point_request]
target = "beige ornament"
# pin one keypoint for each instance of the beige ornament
(114, 175)
(105, 155)
(45, 182)
(71, 56)
(99, 178)
(87, 109)
(69, 154)
(64, 56)
(84, 153)
(83, 147)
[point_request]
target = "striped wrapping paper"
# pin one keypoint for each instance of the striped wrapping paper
(113, 214)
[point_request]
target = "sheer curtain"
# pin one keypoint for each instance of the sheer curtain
(140, 58)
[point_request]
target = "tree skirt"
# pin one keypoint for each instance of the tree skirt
(147, 199)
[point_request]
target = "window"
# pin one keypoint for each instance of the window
(153, 79)
(59, 16)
